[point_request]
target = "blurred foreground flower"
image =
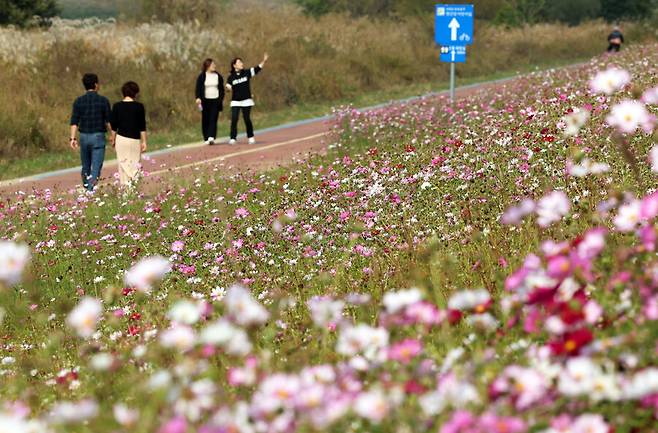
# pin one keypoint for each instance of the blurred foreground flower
(13, 259)
(629, 115)
(575, 121)
(84, 317)
(609, 81)
(552, 207)
(147, 272)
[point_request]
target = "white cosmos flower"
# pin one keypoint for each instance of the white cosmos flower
(243, 308)
(629, 115)
(184, 312)
(578, 377)
(606, 387)
(397, 301)
(102, 361)
(325, 310)
(609, 81)
(178, 337)
(469, 299)
(362, 339)
(85, 316)
(13, 259)
(70, 413)
(590, 423)
(147, 272)
(482, 321)
(574, 121)
(642, 384)
(628, 216)
(223, 333)
(552, 207)
(11, 423)
(124, 415)
(585, 167)
(372, 405)
(432, 403)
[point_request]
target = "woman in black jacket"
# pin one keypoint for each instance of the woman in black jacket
(128, 121)
(241, 100)
(209, 97)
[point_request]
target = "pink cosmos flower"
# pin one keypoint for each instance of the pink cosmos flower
(405, 350)
(241, 213)
(515, 214)
(177, 246)
(461, 422)
(492, 423)
(559, 267)
(424, 313)
(650, 96)
(174, 425)
(650, 309)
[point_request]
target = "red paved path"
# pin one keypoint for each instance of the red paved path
(276, 147)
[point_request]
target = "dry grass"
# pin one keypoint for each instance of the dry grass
(311, 60)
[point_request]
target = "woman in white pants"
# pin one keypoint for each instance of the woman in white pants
(128, 121)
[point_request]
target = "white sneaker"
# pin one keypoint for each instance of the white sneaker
(252, 140)
(211, 141)
(232, 142)
(206, 142)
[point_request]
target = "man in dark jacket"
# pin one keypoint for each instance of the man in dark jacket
(91, 118)
(615, 39)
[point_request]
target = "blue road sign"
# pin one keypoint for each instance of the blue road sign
(453, 54)
(453, 24)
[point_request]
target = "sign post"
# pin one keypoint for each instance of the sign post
(453, 30)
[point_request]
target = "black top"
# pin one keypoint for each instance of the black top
(200, 88)
(91, 113)
(128, 119)
(239, 81)
(616, 34)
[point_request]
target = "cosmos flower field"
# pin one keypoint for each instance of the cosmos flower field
(487, 266)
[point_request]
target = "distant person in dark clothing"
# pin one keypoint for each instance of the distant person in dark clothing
(209, 97)
(91, 118)
(615, 39)
(238, 83)
(128, 133)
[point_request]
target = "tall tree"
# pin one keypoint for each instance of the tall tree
(516, 13)
(572, 11)
(22, 12)
(613, 10)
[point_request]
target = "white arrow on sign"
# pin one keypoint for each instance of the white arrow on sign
(454, 25)
(453, 54)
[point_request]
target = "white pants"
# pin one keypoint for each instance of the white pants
(128, 155)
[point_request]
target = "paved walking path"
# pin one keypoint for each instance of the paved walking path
(276, 146)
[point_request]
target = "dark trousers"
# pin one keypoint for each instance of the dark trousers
(209, 115)
(614, 47)
(235, 115)
(92, 155)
